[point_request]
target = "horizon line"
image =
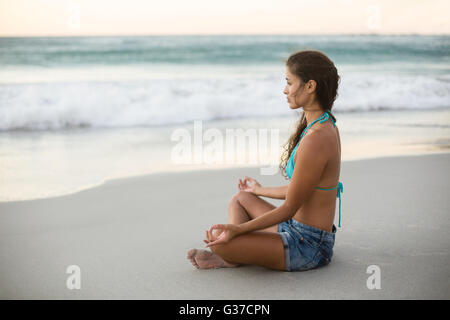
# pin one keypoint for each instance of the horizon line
(223, 34)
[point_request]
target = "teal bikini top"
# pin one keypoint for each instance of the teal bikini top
(290, 164)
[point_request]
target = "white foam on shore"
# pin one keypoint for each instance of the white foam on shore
(156, 102)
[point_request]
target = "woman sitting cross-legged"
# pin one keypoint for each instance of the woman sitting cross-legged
(298, 235)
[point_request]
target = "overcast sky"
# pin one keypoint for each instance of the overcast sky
(148, 17)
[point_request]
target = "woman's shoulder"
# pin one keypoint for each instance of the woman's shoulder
(321, 134)
(315, 141)
(321, 140)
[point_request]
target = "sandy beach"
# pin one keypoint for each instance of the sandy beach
(130, 237)
(124, 133)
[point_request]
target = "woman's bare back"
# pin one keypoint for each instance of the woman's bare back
(320, 208)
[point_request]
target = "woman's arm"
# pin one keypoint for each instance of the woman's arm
(309, 166)
(258, 190)
(310, 163)
(272, 192)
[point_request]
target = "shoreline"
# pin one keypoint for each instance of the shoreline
(41, 165)
(212, 168)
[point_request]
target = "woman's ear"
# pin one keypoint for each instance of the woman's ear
(311, 86)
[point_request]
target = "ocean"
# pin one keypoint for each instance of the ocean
(76, 111)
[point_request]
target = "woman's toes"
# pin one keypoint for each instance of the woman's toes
(191, 256)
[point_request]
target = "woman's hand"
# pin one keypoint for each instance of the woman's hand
(252, 188)
(229, 231)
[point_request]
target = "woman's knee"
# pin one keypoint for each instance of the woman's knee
(237, 199)
(241, 196)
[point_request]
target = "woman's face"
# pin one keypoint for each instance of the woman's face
(297, 93)
(293, 84)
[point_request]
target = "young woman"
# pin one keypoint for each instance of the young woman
(299, 234)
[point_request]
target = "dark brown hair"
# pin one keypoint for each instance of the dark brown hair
(311, 65)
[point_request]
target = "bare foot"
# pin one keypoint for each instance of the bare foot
(190, 255)
(204, 259)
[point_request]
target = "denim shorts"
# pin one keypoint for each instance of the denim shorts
(305, 247)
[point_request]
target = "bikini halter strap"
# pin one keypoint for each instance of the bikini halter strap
(324, 117)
